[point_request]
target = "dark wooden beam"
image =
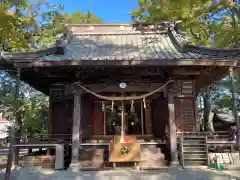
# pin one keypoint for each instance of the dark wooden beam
(209, 76)
(143, 63)
(39, 83)
(185, 71)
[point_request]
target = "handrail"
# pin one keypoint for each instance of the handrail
(181, 151)
(206, 142)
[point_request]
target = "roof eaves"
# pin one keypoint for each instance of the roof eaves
(57, 48)
(227, 52)
(182, 45)
(179, 42)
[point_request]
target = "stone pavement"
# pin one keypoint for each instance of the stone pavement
(167, 174)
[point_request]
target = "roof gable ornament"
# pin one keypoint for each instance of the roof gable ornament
(122, 28)
(91, 28)
(158, 26)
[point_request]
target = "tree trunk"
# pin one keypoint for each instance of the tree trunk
(17, 139)
(208, 115)
(18, 118)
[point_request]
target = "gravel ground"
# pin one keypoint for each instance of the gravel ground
(169, 174)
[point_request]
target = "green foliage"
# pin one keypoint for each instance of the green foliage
(29, 26)
(24, 24)
(207, 22)
(77, 17)
(35, 115)
(32, 106)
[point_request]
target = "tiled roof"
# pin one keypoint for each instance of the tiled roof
(122, 46)
(125, 42)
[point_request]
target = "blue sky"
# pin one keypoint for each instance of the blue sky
(111, 11)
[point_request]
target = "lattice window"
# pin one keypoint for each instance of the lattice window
(183, 88)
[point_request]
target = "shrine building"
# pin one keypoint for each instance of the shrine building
(128, 80)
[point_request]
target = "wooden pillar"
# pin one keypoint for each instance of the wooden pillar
(142, 118)
(50, 114)
(172, 128)
(98, 119)
(234, 99)
(148, 118)
(76, 130)
(104, 119)
(50, 99)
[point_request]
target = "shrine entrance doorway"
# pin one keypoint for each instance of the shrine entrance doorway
(133, 118)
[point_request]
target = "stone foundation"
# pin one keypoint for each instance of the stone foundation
(42, 161)
(93, 157)
(97, 157)
(152, 157)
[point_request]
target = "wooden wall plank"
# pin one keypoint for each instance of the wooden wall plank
(148, 118)
(97, 119)
(185, 106)
(160, 117)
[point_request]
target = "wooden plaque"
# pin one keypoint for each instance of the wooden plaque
(125, 152)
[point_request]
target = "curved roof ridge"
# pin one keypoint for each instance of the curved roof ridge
(57, 48)
(182, 45)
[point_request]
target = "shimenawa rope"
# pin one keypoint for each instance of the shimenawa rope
(122, 98)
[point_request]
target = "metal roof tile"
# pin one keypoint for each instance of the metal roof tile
(123, 44)
(120, 47)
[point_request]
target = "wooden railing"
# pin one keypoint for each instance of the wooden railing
(217, 135)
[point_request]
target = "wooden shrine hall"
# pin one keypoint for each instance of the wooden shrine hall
(122, 84)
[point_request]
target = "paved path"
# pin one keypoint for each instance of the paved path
(27, 174)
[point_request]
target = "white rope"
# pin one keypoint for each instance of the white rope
(144, 103)
(112, 106)
(132, 106)
(122, 98)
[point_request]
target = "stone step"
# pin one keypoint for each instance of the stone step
(195, 159)
(195, 163)
(194, 149)
(232, 167)
(192, 141)
(193, 144)
(195, 156)
(98, 156)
